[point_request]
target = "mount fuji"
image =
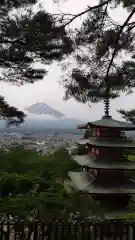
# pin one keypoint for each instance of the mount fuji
(44, 109)
(40, 116)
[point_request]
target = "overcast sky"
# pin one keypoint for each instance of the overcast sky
(49, 90)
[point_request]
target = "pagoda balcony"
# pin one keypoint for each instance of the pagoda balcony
(91, 162)
(82, 182)
(117, 143)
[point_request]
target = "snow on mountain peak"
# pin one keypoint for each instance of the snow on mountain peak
(44, 109)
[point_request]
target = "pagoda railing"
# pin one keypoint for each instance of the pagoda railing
(92, 230)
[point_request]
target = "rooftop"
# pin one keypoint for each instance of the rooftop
(108, 122)
(81, 182)
(115, 143)
(89, 161)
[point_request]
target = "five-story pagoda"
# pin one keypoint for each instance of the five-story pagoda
(105, 174)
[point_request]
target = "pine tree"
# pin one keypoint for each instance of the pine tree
(97, 45)
(26, 38)
(128, 115)
(100, 42)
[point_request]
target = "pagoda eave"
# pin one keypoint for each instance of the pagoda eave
(122, 214)
(83, 142)
(83, 126)
(117, 215)
(105, 175)
(104, 143)
(81, 182)
(89, 161)
(108, 123)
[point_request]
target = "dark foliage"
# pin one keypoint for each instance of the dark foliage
(128, 115)
(41, 37)
(100, 46)
(87, 134)
(11, 114)
(25, 39)
(30, 187)
(32, 39)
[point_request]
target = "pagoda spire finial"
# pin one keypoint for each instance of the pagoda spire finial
(106, 107)
(107, 102)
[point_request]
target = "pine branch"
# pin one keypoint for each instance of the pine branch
(86, 11)
(9, 113)
(116, 48)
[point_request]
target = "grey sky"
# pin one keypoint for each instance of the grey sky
(49, 90)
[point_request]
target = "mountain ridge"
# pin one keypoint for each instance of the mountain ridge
(40, 116)
(44, 109)
(38, 125)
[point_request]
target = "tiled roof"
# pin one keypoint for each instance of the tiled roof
(86, 160)
(125, 143)
(81, 182)
(108, 122)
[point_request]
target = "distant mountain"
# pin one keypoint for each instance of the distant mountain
(44, 109)
(42, 123)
